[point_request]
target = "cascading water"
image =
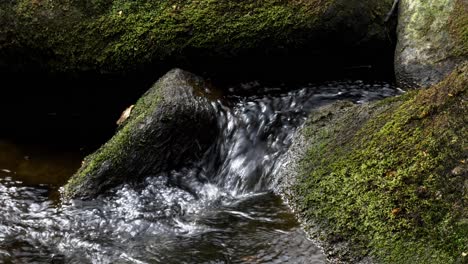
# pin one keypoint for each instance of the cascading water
(220, 210)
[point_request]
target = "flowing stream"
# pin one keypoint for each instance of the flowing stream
(219, 210)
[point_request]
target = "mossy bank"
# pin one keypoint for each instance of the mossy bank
(389, 179)
(122, 37)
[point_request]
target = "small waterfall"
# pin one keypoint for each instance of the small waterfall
(256, 131)
(220, 209)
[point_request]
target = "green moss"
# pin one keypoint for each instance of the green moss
(120, 35)
(459, 28)
(389, 188)
(114, 150)
(126, 33)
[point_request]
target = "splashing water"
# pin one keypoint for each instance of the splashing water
(219, 210)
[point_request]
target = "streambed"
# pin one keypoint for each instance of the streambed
(219, 210)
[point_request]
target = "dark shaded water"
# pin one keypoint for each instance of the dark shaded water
(219, 210)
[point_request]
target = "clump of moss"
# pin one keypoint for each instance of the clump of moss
(396, 188)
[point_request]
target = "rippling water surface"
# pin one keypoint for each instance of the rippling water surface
(219, 210)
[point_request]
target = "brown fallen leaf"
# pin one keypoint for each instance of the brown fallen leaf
(125, 114)
(396, 211)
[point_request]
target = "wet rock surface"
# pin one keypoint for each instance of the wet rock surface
(432, 40)
(172, 124)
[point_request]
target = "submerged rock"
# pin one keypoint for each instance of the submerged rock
(432, 40)
(172, 124)
(386, 180)
(125, 36)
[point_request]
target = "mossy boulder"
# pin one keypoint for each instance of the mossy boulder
(172, 124)
(125, 36)
(432, 40)
(386, 181)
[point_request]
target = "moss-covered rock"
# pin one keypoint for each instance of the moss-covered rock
(123, 36)
(172, 124)
(432, 40)
(388, 180)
